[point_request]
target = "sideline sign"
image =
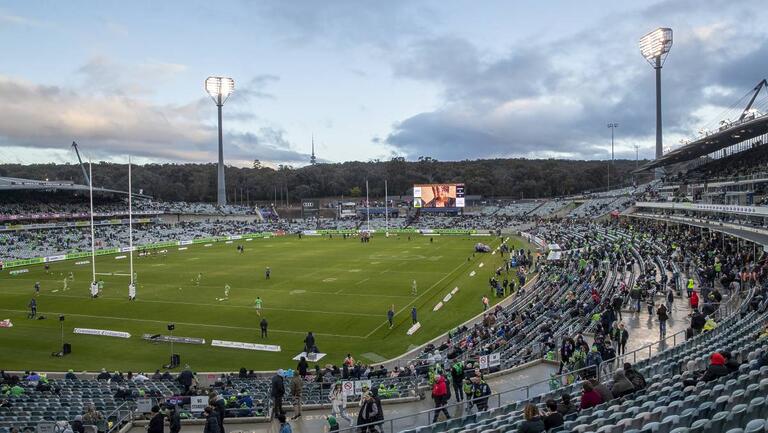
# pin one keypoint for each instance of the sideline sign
(197, 403)
(245, 346)
(101, 332)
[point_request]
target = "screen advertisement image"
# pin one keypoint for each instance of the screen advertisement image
(439, 195)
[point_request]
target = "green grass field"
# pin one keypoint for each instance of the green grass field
(339, 289)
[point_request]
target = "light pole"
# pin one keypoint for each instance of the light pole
(220, 88)
(655, 46)
(612, 125)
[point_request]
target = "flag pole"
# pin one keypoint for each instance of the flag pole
(93, 238)
(130, 219)
(386, 210)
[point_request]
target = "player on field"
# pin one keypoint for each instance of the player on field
(199, 277)
(71, 276)
(391, 316)
(37, 288)
(258, 305)
(226, 291)
(131, 292)
(101, 284)
(267, 272)
(414, 290)
(32, 309)
(66, 284)
(94, 289)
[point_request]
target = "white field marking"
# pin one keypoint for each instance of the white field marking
(375, 263)
(417, 297)
(362, 281)
(330, 280)
(54, 291)
(481, 265)
(206, 325)
(338, 291)
(354, 270)
(472, 274)
(203, 304)
(157, 264)
(297, 292)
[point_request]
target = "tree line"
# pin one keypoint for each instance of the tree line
(511, 178)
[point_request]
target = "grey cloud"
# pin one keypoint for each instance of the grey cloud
(112, 124)
(557, 97)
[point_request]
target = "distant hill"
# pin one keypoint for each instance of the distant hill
(516, 178)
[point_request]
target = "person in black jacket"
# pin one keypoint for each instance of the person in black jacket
(277, 392)
(77, 425)
(697, 322)
(156, 421)
(302, 367)
(174, 419)
(552, 418)
(731, 364)
(218, 403)
(211, 423)
(309, 343)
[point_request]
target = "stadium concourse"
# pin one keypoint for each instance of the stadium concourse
(651, 304)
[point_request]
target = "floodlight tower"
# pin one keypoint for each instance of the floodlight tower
(655, 46)
(220, 88)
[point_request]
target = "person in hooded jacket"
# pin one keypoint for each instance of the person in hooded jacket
(368, 413)
(621, 385)
(634, 376)
(601, 389)
(716, 368)
(440, 396)
(589, 397)
(156, 422)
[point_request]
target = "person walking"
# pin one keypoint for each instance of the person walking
(391, 316)
(457, 377)
(414, 317)
(623, 338)
(339, 403)
(217, 402)
(663, 316)
(440, 396)
(32, 309)
(670, 299)
(485, 303)
(277, 392)
(156, 424)
(694, 301)
(368, 412)
(297, 386)
(174, 419)
(211, 423)
(263, 324)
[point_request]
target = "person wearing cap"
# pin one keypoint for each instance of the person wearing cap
(70, 375)
(277, 392)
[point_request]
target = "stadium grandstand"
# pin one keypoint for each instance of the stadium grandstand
(641, 307)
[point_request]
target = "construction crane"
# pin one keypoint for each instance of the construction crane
(85, 173)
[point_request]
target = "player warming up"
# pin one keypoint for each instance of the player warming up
(258, 306)
(94, 289)
(131, 292)
(414, 289)
(267, 273)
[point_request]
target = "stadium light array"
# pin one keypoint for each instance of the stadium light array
(219, 88)
(654, 47)
(656, 44)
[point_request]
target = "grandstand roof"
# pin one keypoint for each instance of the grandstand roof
(728, 135)
(18, 184)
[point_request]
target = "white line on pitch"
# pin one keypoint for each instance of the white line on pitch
(362, 281)
(207, 325)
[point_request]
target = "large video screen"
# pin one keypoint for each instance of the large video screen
(438, 195)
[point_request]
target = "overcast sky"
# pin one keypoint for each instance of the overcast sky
(370, 79)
